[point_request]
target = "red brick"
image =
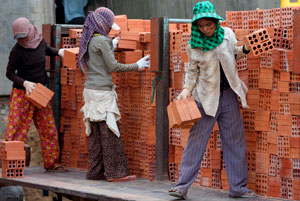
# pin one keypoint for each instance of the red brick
(40, 96)
(75, 33)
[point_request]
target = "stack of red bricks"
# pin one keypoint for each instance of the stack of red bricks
(179, 37)
(182, 114)
(13, 159)
(134, 89)
(272, 123)
(75, 143)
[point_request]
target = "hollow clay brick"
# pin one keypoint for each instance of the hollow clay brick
(259, 42)
(40, 96)
(75, 33)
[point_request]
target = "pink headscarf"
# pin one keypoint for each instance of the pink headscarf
(27, 35)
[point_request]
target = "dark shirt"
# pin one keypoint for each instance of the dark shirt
(224, 82)
(29, 64)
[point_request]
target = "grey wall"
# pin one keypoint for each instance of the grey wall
(182, 9)
(37, 11)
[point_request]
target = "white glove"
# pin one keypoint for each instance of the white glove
(185, 93)
(115, 42)
(29, 86)
(144, 63)
(61, 52)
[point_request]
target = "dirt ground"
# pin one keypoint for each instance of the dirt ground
(33, 141)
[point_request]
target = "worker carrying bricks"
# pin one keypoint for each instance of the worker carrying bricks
(212, 79)
(106, 155)
(25, 68)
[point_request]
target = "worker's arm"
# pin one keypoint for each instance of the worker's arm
(13, 62)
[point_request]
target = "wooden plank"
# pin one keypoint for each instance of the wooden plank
(74, 183)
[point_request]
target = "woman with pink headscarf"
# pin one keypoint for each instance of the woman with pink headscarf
(25, 68)
(106, 155)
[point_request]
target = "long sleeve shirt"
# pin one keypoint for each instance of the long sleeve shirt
(203, 73)
(100, 61)
(28, 64)
(99, 95)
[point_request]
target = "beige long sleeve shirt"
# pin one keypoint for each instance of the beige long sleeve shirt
(202, 76)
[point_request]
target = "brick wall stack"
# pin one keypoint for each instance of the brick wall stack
(272, 123)
(74, 140)
(13, 159)
(134, 89)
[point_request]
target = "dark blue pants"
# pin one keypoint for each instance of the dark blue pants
(233, 144)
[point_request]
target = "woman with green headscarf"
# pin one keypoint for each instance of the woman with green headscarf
(212, 79)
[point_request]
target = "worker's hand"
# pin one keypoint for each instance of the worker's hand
(185, 93)
(144, 63)
(115, 42)
(61, 52)
(29, 86)
(246, 44)
(246, 47)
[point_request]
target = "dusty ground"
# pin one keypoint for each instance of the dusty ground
(36, 160)
(36, 153)
(33, 141)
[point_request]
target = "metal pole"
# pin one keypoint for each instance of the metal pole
(162, 100)
(55, 63)
(70, 26)
(179, 21)
(162, 49)
(65, 27)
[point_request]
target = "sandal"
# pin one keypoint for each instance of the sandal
(176, 193)
(247, 194)
(127, 178)
(57, 168)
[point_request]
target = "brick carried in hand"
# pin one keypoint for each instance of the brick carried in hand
(259, 42)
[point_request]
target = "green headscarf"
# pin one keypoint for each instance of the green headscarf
(205, 9)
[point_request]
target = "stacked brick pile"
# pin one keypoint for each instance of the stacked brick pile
(134, 91)
(74, 140)
(272, 123)
(13, 159)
